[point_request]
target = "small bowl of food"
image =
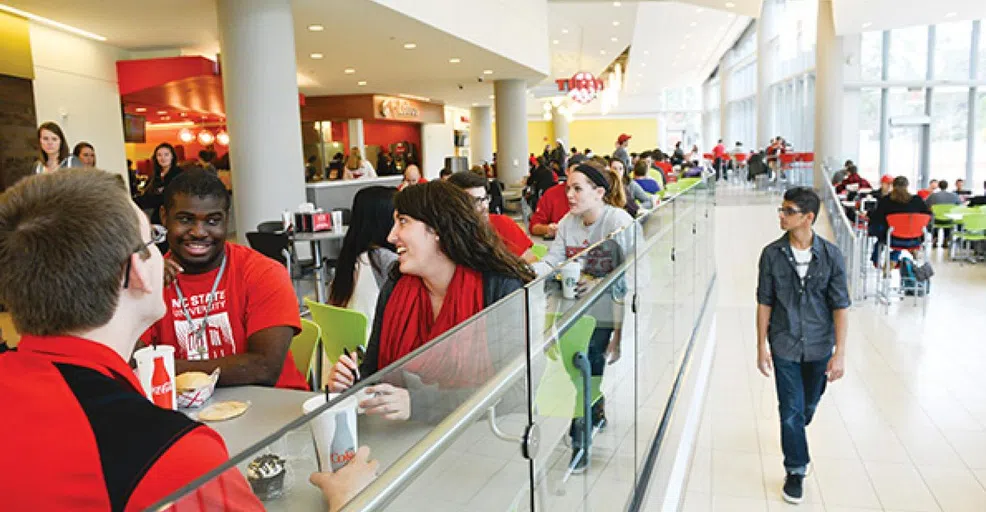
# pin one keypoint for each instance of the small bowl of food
(194, 388)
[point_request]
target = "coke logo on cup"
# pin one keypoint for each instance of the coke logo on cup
(344, 457)
(161, 389)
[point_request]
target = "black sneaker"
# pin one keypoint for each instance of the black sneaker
(794, 488)
(599, 415)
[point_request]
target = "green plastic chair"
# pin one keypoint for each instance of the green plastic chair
(939, 211)
(539, 250)
(341, 328)
(304, 347)
(974, 227)
(559, 394)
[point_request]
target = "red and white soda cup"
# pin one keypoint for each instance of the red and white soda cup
(156, 372)
(334, 431)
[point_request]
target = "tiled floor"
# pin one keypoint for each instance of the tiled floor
(905, 430)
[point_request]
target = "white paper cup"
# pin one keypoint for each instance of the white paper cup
(145, 358)
(334, 431)
(570, 274)
(337, 221)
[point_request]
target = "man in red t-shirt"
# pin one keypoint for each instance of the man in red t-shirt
(552, 206)
(517, 242)
(228, 306)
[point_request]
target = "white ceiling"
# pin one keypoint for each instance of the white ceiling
(369, 38)
(854, 16)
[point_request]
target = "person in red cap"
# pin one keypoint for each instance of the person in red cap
(620, 153)
(886, 185)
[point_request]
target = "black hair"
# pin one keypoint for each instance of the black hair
(574, 149)
(806, 199)
(196, 182)
(78, 148)
(594, 175)
(370, 225)
(469, 179)
(156, 178)
(943, 184)
(445, 172)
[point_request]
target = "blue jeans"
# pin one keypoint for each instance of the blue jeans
(799, 387)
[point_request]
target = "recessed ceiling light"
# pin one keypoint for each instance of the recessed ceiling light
(699, 10)
(410, 46)
(646, 52)
(349, 71)
(491, 96)
(682, 47)
(693, 24)
(688, 36)
(643, 64)
(183, 114)
(617, 4)
(361, 83)
(555, 41)
(454, 60)
(316, 28)
(316, 56)
(475, 104)
(162, 112)
(487, 71)
(564, 31)
(868, 24)
(613, 39)
(616, 23)
(141, 109)
(730, 5)
(951, 14)
(602, 52)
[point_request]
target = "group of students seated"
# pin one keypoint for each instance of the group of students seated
(416, 262)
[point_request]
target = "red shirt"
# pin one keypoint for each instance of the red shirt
(84, 437)
(924, 193)
(666, 167)
(254, 294)
(719, 151)
(513, 237)
(552, 206)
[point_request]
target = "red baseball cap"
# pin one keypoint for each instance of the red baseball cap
(622, 138)
(887, 179)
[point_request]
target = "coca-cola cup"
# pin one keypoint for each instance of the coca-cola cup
(334, 431)
(156, 372)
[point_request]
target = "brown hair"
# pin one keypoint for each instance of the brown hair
(465, 237)
(62, 145)
(64, 242)
(617, 195)
(899, 193)
(354, 160)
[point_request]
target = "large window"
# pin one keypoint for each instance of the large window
(904, 152)
(869, 133)
(949, 132)
(953, 42)
(871, 56)
(908, 54)
(979, 174)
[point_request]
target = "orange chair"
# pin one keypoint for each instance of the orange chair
(905, 231)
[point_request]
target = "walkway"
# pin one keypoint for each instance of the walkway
(905, 430)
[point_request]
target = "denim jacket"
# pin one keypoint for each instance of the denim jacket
(801, 323)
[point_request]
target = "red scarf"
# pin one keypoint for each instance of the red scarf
(409, 322)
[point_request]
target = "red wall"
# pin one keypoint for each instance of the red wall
(385, 133)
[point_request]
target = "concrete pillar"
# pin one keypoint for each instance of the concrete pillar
(262, 113)
(356, 136)
(480, 135)
(765, 62)
(724, 107)
(511, 129)
(828, 92)
(559, 124)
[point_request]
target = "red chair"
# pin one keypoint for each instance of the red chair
(708, 156)
(740, 158)
(905, 232)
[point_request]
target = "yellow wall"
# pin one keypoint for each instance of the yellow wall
(600, 134)
(15, 55)
(539, 133)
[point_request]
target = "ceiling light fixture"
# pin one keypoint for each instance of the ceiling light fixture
(616, 23)
(602, 52)
(951, 14)
(564, 31)
(730, 5)
(454, 60)
(361, 83)
(475, 104)
(699, 10)
(613, 39)
(52, 23)
(185, 135)
(410, 46)
(414, 97)
(315, 28)
(617, 4)
(349, 71)
(206, 137)
(316, 56)
(162, 112)
(487, 71)
(693, 24)
(643, 64)
(868, 24)
(141, 109)
(491, 96)
(222, 138)
(554, 41)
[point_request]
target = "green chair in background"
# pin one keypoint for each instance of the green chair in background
(940, 221)
(304, 347)
(559, 394)
(341, 328)
(973, 228)
(539, 250)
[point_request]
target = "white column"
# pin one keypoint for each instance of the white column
(724, 107)
(828, 92)
(262, 113)
(765, 62)
(480, 135)
(511, 129)
(559, 124)
(356, 136)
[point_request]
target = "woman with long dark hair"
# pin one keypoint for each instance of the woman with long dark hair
(53, 150)
(451, 265)
(164, 160)
(366, 255)
(900, 200)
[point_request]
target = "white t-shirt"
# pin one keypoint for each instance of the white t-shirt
(802, 258)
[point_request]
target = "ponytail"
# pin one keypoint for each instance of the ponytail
(617, 193)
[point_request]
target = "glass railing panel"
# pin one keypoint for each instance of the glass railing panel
(684, 265)
(595, 329)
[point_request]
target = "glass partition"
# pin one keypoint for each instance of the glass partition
(545, 401)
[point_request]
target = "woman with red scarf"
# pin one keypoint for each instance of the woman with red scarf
(451, 265)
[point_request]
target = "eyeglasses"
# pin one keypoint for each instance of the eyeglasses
(479, 201)
(789, 211)
(158, 235)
